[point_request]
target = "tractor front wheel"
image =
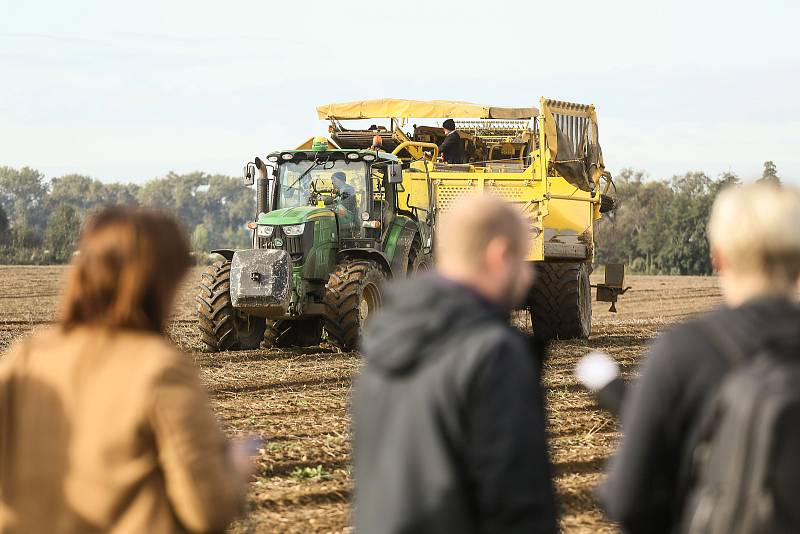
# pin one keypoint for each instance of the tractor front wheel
(353, 294)
(223, 327)
(560, 301)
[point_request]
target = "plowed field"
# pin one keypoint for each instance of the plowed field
(297, 399)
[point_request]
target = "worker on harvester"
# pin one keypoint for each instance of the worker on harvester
(452, 148)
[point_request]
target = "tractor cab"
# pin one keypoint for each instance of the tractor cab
(359, 187)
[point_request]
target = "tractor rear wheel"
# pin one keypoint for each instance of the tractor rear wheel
(297, 333)
(354, 293)
(560, 301)
(223, 327)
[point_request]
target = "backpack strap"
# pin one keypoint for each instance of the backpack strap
(735, 355)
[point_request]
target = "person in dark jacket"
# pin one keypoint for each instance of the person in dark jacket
(345, 193)
(449, 423)
(452, 148)
(755, 240)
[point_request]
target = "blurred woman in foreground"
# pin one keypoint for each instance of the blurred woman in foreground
(104, 425)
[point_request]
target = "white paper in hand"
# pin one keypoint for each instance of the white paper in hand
(596, 370)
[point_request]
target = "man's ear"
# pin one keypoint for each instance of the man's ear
(718, 260)
(497, 251)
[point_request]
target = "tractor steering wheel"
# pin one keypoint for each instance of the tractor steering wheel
(316, 194)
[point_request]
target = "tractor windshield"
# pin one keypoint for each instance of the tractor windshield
(340, 185)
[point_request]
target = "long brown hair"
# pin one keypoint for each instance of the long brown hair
(125, 272)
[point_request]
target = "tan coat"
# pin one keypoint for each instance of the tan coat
(105, 431)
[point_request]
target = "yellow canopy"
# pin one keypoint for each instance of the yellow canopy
(392, 108)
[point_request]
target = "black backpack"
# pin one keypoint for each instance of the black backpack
(732, 469)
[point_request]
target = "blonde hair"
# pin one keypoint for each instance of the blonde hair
(756, 228)
(468, 227)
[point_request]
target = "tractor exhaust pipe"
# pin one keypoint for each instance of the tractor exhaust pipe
(262, 187)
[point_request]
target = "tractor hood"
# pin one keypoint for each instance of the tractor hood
(296, 215)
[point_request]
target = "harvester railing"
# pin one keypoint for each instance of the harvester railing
(418, 144)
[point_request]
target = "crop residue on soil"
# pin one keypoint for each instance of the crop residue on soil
(298, 399)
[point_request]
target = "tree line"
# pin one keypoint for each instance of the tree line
(659, 226)
(40, 219)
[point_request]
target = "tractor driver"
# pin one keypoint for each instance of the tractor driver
(344, 196)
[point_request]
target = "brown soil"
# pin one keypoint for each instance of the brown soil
(297, 399)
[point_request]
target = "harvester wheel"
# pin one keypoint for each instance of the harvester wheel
(560, 301)
(353, 295)
(424, 262)
(296, 333)
(418, 261)
(223, 327)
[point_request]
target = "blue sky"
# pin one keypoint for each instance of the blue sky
(129, 91)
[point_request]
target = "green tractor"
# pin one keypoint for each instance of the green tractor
(328, 232)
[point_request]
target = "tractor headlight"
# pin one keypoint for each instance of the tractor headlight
(294, 229)
(265, 231)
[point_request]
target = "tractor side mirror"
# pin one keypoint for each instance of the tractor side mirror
(395, 174)
(250, 173)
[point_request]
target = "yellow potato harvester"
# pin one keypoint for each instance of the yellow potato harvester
(546, 161)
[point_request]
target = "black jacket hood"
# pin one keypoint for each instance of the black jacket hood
(415, 319)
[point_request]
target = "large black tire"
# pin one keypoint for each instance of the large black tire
(418, 261)
(423, 262)
(560, 301)
(413, 254)
(223, 327)
(353, 294)
(296, 333)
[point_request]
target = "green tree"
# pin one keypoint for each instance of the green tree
(215, 206)
(628, 234)
(770, 173)
(176, 194)
(62, 232)
(23, 196)
(227, 206)
(120, 194)
(220, 203)
(80, 191)
(200, 242)
(659, 227)
(4, 227)
(725, 180)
